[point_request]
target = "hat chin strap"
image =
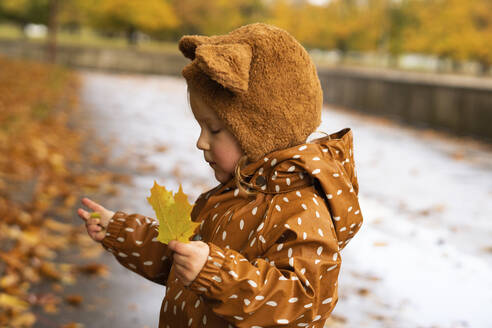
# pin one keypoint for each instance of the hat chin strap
(242, 185)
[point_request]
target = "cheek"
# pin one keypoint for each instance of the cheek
(227, 156)
(226, 159)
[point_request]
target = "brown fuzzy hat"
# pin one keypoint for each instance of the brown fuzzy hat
(261, 83)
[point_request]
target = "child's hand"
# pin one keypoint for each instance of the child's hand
(96, 227)
(189, 259)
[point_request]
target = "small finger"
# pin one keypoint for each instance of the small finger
(180, 271)
(100, 236)
(180, 259)
(180, 248)
(179, 268)
(92, 204)
(83, 214)
(94, 228)
(172, 245)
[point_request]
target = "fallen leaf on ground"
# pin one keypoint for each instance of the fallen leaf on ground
(12, 302)
(378, 317)
(9, 280)
(94, 269)
(146, 168)
(91, 252)
(458, 155)
(48, 269)
(363, 291)
(26, 319)
(487, 249)
(160, 148)
(44, 171)
(74, 299)
(73, 325)
(336, 319)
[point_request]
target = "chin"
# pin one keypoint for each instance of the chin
(222, 177)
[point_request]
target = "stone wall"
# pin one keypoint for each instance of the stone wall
(458, 104)
(131, 60)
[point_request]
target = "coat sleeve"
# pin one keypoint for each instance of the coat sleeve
(293, 285)
(133, 241)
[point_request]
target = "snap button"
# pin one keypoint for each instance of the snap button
(260, 180)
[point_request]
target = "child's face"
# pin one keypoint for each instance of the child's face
(220, 148)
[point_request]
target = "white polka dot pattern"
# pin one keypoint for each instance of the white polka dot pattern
(276, 250)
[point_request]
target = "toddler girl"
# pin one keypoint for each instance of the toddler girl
(267, 251)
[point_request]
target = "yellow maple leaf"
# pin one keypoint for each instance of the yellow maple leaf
(173, 213)
(12, 302)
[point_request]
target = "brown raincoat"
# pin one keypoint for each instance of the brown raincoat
(274, 257)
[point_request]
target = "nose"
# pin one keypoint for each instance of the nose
(202, 143)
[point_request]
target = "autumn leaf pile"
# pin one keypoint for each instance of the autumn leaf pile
(43, 173)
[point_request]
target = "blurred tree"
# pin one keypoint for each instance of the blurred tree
(449, 29)
(72, 15)
(300, 18)
(216, 16)
(399, 18)
(453, 29)
(282, 13)
(54, 7)
(130, 16)
(23, 12)
(482, 19)
(353, 25)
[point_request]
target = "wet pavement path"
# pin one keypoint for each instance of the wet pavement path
(422, 258)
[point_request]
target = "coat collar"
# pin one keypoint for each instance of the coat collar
(327, 162)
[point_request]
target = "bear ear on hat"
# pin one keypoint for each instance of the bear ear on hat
(188, 43)
(227, 64)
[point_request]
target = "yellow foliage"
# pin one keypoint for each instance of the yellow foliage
(12, 302)
(345, 25)
(15, 5)
(454, 29)
(148, 16)
(212, 17)
(41, 158)
(173, 213)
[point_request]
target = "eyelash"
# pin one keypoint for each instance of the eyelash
(215, 131)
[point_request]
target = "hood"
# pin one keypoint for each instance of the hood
(328, 163)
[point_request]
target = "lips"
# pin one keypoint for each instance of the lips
(209, 162)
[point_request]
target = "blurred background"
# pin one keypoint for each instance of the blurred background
(423, 35)
(92, 104)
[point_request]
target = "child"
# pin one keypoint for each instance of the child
(266, 253)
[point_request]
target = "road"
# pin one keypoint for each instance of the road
(423, 257)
